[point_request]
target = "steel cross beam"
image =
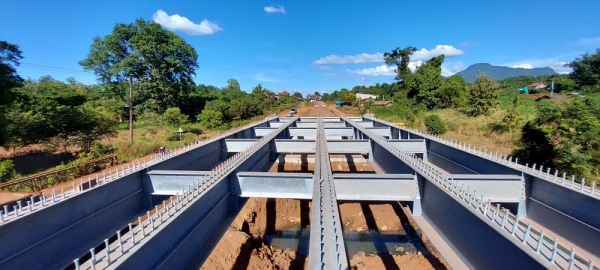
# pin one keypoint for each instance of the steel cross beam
(149, 226)
(548, 252)
(327, 250)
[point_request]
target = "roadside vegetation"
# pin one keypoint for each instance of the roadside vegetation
(144, 75)
(559, 130)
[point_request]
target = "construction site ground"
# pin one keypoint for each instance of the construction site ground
(245, 245)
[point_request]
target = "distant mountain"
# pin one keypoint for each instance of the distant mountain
(471, 73)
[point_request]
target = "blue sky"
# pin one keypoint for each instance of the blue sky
(309, 45)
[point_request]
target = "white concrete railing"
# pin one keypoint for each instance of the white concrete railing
(150, 223)
(550, 252)
(37, 203)
(550, 175)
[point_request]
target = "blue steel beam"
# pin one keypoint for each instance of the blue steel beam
(327, 249)
(168, 237)
(536, 251)
(553, 199)
(355, 187)
(47, 232)
(173, 182)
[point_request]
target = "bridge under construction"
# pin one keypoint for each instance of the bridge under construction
(480, 210)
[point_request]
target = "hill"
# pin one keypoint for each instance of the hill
(471, 73)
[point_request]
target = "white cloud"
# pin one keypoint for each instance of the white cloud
(523, 65)
(275, 9)
(557, 64)
(413, 65)
(261, 77)
(383, 70)
(451, 69)
(420, 55)
(350, 59)
(425, 54)
(177, 22)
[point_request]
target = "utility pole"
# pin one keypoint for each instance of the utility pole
(552, 88)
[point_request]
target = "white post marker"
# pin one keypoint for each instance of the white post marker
(180, 131)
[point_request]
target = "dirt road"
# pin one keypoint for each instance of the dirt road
(317, 109)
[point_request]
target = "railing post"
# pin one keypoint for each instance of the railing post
(540, 242)
(93, 260)
(76, 263)
(107, 251)
(120, 241)
(571, 259)
(515, 225)
(554, 250)
(132, 233)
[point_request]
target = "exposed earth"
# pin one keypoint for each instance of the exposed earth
(245, 245)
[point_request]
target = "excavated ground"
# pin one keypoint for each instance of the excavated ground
(245, 245)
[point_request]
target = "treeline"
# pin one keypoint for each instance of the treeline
(145, 75)
(565, 133)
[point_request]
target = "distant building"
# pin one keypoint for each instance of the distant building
(283, 94)
(538, 85)
(313, 97)
(360, 96)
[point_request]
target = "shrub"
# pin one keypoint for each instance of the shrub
(174, 117)
(147, 119)
(435, 125)
(210, 118)
(7, 170)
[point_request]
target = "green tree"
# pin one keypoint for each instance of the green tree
(298, 95)
(10, 55)
(566, 137)
(586, 70)
(512, 118)
(210, 118)
(452, 93)
(400, 58)
(142, 55)
(233, 90)
(482, 96)
(435, 125)
(174, 117)
(425, 83)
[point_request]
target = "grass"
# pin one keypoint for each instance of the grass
(148, 139)
(486, 131)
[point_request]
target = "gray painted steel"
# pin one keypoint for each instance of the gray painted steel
(275, 185)
(558, 206)
(348, 146)
(497, 188)
(239, 145)
(204, 213)
(376, 187)
(295, 146)
(410, 146)
(471, 237)
(263, 131)
(327, 249)
(173, 182)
